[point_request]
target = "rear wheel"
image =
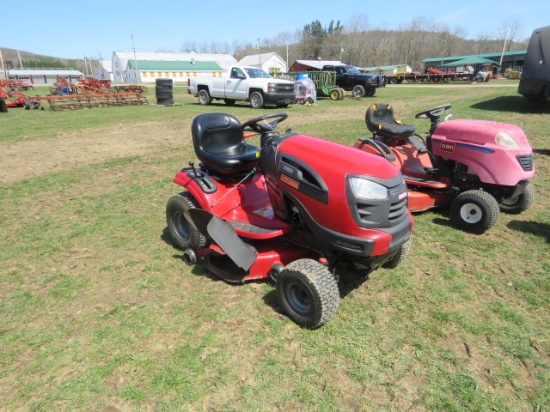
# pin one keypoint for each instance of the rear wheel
(474, 211)
(204, 97)
(358, 91)
(256, 100)
(183, 234)
(520, 203)
(308, 293)
(335, 94)
(342, 93)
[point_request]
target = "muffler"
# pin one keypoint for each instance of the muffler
(189, 257)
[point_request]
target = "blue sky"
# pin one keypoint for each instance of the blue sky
(97, 28)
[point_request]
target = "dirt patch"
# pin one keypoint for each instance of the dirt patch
(37, 157)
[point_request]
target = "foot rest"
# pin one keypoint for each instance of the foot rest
(418, 181)
(261, 232)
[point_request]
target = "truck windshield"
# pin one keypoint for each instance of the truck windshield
(255, 73)
(353, 70)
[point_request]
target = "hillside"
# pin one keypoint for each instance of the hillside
(14, 59)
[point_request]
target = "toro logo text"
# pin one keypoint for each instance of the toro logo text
(447, 146)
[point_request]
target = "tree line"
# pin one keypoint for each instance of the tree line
(360, 45)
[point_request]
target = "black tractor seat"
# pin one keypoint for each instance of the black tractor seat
(220, 145)
(381, 121)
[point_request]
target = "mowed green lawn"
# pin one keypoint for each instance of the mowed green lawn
(99, 312)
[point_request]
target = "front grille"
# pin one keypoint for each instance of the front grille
(526, 162)
(398, 209)
(285, 88)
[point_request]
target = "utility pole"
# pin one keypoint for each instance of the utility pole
(135, 58)
(20, 62)
(259, 55)
(286, 69)
(2, 67)
(503, 48)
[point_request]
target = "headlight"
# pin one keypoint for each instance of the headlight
(505, 140)
(271, 87)
(365, 189)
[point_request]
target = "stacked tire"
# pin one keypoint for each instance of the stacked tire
(164, 91)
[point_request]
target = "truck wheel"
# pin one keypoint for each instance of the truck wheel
(183, 234)
(370, 92)
(399, 256)
(204, 97)
(3, 106)
(308, 293)
(518, 204)
(393, 80)
(256, 100)
(474, 211)
(358, 91)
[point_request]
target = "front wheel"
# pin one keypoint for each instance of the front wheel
(358, 91)
(183, 234)
(474, 211)
(399, 256)
(204, 97)
(520, 203)
(256, 100)
(308, 293)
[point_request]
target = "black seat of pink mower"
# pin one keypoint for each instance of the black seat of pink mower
(381, 121)
(220, 145)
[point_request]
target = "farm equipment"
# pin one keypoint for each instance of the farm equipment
(95, 85)
(89, 100)
(17, 99)
(89, 93)
(297, 209)
(131, 88)
(16, 85)
(510, 74)
(477, 167)
(325, 82)
(432, 75)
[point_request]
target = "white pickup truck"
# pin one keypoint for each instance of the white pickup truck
(244, 83)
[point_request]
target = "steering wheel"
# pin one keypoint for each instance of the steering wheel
(434, 113)
(256, 125)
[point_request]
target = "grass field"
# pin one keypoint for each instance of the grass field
(99, 312)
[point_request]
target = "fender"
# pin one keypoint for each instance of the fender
(201, 186)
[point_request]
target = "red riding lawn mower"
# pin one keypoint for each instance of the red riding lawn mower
(299, 210)
(477, 167)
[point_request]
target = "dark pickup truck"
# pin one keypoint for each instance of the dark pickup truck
(351, 79)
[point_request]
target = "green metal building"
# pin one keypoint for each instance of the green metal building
(501, 61)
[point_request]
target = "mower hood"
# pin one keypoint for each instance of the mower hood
(321, 178)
